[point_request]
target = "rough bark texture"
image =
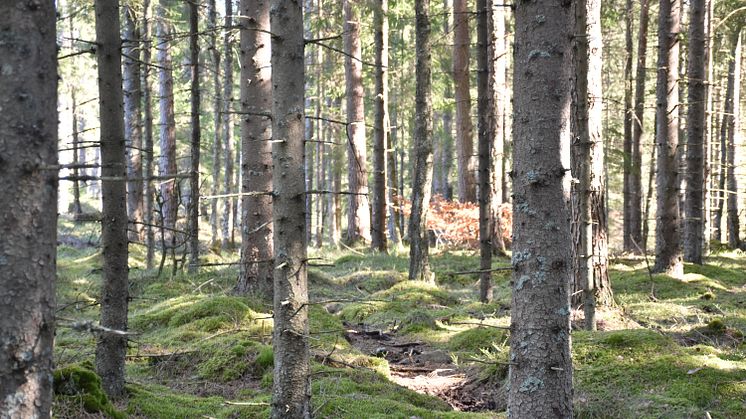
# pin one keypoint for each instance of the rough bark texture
(627, 243)
(590, 228)
(111, 348)
(28, 217)
(195, 143)
(467, 183)
(291, 389)
(167, 123)
(133, 121)
(378, 226)
(358, 217)
(228, 181)
(695, 150)
(541, 368)
(256, 132)
(419, 258)
(734, 139)
(149, 191)
(633, 212)
(485, 137)
(217, 104)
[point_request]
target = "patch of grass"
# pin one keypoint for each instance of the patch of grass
(159, 402)
(472, 340)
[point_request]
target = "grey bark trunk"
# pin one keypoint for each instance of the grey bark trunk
(419, 259)
(378, 230)
(111, 348)
(216, 110)
(358, 219)
(167, 164)
(667, 222)
(467, 183)
(195, 144)
(28, 217)
(227, 119)
(133, 121)
(291, 389)
(541, 367)
(627, 244)
(149, 191)
(394, 225)
(256, 132)
(77, 209)
(695, 150)
(485, 137)
(497, 66)
(734, 139)
(708, 128)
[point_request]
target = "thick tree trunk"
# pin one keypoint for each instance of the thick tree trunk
(467, 183)
(133, 121)
(419, 259)
(485, 108)
(591, 286)
(734, 139)
(217, 104)
(635, 220)
(111, 348)
(695, 150)
(195, 144)
(228, 181)
(541, 367)
(358, 219)
(291, 389)
(667, 226)
(28, 216)
(627, 243)
(378, 230)
(256, 132)
(149, 191)
(167, 166)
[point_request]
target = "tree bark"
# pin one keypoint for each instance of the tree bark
(28, 217)
(133, 121)
(228, 181)
(485, 109)
(256, 132)
(77, 209)
(419, 259)
(496, 68)
(667, 226)
(541, 367)
(149, 191)
(216, 109)
(111, 348)
(708, 128)
(695, 150)
(734, 139)
(167, 166)
(394, 199)
(627, 243)
(195, 144)
(291, 389)
(467, 183)
(378, 230)
(358, 219)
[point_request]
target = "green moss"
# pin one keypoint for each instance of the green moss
(80, 382)
(418, 321)
(716, 326)
(227, 360)
(473, 340)
(158, 402)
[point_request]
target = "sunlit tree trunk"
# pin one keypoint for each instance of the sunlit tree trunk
(149, 191)
(167, 165)
(627, 243)
(467, 184)
(497, 67)
(217, 103)
(228, 159)
(378, 230)
(195, 143)
(734, 139)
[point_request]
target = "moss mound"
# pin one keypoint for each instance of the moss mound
(80, 383)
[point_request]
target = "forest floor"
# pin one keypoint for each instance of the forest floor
(385, 347)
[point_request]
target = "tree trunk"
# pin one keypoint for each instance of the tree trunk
(256, 132)
(485, 107)
(419, 259)
(320, 135)
(667, 222)
(724, 135)
(648, 198)
(627, 243)
(378, 231)
(394, 199)
(291, 389)
(149, 191)
(216, 108)
(28, 217)
(734, 139)
(497, 67)
(195, 152)
(77, 209)
(111, 348)
(309, 61)
(133, 121)
(591, 286)
(695, 150)
(228, 181)
(467, 184)
(708, 129)
(541, 367)
(358, 220)
(635, 220)
(167, 123)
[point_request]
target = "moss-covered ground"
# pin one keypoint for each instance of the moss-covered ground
(200, 351)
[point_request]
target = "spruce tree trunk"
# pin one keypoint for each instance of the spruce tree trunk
(627, 244)
(419, 259)
(485, 137)
(228, 181)
(217, 104)
(541, 367)
(635, 219)
(378, 230)
(708, 128)
(111, 348)
(724, 136)
(667, 226)
(497, 66)
(291, 388)
(695, 150)
(167, 165)
(28, 216)
(321, 129)
(133, 121)
(77, 209)
(467, 183)
(358, 219)
(394, 199)
(256, 132)
(195, 144)
(734, 139)
(149, 191)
